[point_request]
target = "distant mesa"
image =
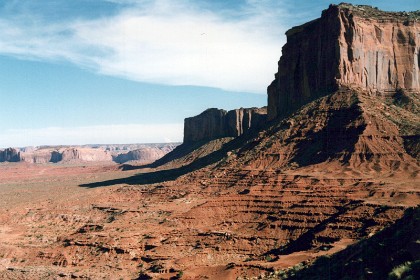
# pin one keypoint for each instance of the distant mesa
(138, 153)
(217, 123)
(143, 156)
(10, 154)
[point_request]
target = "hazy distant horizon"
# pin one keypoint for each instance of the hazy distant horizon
(88, 145)
(123, 71)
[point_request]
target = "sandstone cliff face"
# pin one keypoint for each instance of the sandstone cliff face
(141, 153)
(143, 156)
(241, 120)
(209, 124)
(85, 154)
(216, 123)
(37, 156)
(355, 46)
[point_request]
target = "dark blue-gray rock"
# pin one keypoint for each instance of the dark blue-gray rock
(10, 155)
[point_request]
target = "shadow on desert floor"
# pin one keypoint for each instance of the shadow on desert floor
(142, 178)
(160, 176)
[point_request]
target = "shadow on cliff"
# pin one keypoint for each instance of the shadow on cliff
(245, 141)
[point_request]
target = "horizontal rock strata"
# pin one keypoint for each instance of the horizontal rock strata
(141, 153)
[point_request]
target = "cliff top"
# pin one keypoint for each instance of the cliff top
(363, 11)
(373, 12)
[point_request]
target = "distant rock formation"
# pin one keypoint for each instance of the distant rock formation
(141, 153)
(56, 157)
(216, 123)
(85, 154)
(144, 155)
(354, 46)
(9, 154)
(39, 156)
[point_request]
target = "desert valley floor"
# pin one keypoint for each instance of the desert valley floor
(56, 222)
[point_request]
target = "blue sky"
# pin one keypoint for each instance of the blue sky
(125, 71)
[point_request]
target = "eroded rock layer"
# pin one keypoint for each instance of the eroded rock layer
(139, 153)
(356, 46)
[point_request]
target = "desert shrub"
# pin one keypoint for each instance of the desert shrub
(399, 271)
(268, 258)
(406, 271)
(156, 268)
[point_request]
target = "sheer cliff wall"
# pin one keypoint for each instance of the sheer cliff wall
(356, 46)
(216, 123)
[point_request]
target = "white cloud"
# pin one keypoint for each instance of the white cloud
(106, 134)
(166, 42)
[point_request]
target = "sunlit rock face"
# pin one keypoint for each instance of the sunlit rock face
(354, 46)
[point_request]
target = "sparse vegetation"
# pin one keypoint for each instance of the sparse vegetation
(156, 268)
(268, 258)
(407, 271)
(179, 274)
(385, 255)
